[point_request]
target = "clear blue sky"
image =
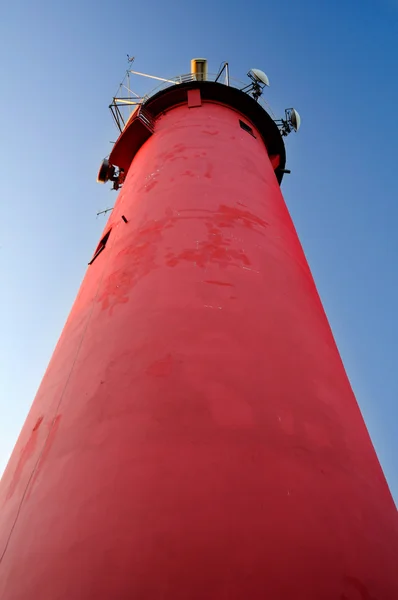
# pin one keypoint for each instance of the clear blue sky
(336, 62)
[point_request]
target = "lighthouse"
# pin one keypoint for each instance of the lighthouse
(195, 435)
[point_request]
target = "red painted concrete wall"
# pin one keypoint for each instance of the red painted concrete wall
(195, 435)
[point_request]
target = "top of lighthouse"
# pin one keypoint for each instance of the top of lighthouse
(135, 115)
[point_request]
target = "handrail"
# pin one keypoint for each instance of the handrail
(132, 102)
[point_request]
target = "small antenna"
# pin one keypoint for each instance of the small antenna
(103, 212)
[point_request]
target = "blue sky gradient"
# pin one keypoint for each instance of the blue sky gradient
(336, 62)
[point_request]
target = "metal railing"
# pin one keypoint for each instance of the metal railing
(122, 106)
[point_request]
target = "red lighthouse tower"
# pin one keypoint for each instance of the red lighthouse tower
(195, 436)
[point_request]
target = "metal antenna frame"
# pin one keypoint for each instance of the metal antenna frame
(224, 67)
(285, 125)
(132, 99)
(120, 99)
(255, 88)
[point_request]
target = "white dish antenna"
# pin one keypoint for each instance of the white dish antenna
(259, 76)
(295, 119)
(291, 122)
(259, 81)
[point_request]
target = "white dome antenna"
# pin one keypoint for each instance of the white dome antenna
(291, 122)
(259, 80)
(295, 119)
(258, 76)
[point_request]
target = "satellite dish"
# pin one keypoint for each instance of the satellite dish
(291, 122)
(106, 171)
(259, 76)
(295, 119)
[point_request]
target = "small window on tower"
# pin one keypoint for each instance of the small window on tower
(246, 127)
(100, 247)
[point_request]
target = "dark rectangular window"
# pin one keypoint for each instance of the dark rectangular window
(100, 247)
(246, 127)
